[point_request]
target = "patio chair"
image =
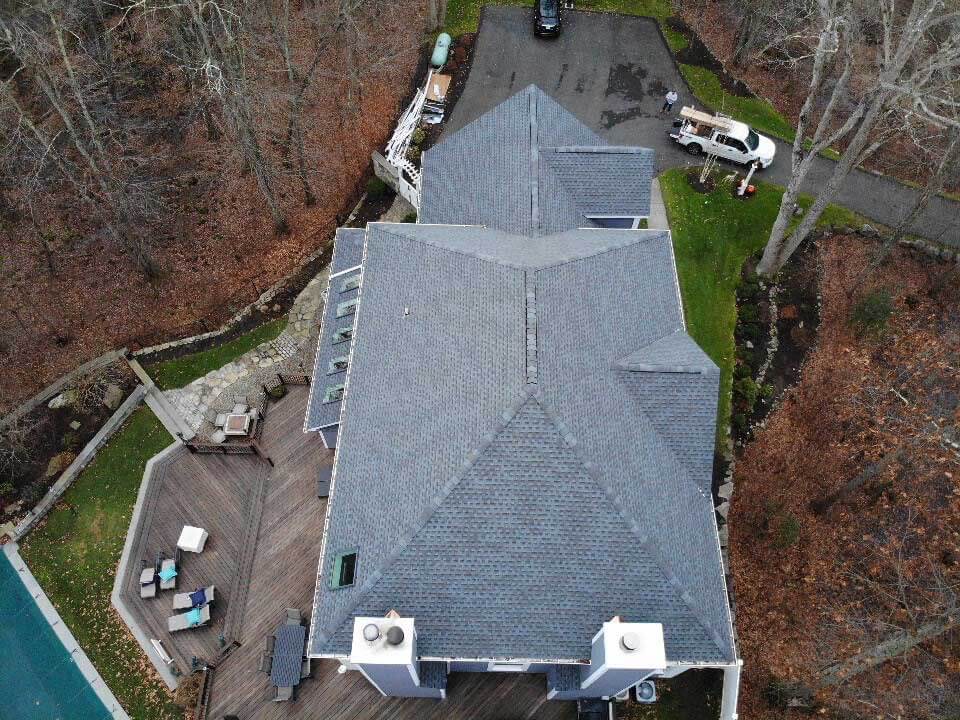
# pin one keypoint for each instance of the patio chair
(270, 643)
(148, 582)
(283, 694)
(191, 619)
(198, 598)
(293, 616)
(305, 669)
(266, 663)
(168, 574)
(220, 419)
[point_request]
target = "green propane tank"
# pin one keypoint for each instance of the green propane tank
(440, 51)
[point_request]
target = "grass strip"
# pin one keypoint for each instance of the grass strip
(178, 372)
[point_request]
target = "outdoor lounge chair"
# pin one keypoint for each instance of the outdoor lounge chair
(198, 598)
(283, 694)
(190, 619)
(148, 582)
(305, 669)
(293, 616)
(168, 574)
(270, 643)
(266, 663)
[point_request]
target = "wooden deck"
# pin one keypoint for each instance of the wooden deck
(265, 529)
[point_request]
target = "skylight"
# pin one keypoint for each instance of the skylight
(333, 393)
(342, 335)
(338, 364)
(344, 570)
(347, 307)
(351, 283)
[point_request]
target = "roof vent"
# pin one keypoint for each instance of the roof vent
(371, 633)
(406, 311)
(630, 641)
(395, 635)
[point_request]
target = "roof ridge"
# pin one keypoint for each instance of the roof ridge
(593, 472)
(607, 149)
(641, 236)
(457, 251)
(424, 517)
(628, 364)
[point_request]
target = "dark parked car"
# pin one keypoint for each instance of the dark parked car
(546, 18)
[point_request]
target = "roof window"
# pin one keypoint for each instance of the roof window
(342, 335)
(333, 393)
(351, 283)
(338, 364)
(347, 307)
(344, 570)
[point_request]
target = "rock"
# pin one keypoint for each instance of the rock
(74, 424)
(725, 491)
(112, 396)
(724, 534)
(846, 230)
(797, 211)
(13, 507)
(723, 509)
(58, 463)
(749, 345)
(276, 308)
(64, 399)
(868, 230)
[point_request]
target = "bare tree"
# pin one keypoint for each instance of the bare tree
(902, 598)
(910, 71)
(60, 123)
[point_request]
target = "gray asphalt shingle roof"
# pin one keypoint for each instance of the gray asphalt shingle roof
(524, 448)
(530, 167)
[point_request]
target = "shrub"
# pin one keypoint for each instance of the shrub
(788, 532)
(410, 217)
(277, 392)
(746, 390)
(376, 188)
(749, 314)
(70, 440)
(872, 311)
(418, 136)
(741, 423)
(782, 694)
(413, 154)
(7, 489)
(33, 493)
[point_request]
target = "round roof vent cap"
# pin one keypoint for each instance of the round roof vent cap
(371, 632)
(395, 635)
(630, 641)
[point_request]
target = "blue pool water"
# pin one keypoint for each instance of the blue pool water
(38, 678)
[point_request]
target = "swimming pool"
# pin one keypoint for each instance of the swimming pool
(40, 679)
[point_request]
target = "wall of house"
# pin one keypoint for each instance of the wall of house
(397, 681)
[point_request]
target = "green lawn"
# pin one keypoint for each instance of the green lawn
(176, 373)
(74, 555)
(755, 112)
(464, 15)
(712, 236)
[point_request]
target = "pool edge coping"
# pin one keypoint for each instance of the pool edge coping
(60, 629)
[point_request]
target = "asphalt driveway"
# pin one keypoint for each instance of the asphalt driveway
(612, 72)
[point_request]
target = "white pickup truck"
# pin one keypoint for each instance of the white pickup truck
(700, 132)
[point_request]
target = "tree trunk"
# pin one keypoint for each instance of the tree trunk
(893, 647)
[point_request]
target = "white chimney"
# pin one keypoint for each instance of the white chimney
(622, 655)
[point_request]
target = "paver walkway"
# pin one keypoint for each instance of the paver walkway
(290, 352)
(612, 71)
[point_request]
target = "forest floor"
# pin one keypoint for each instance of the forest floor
(217, 253)
(845, 523)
